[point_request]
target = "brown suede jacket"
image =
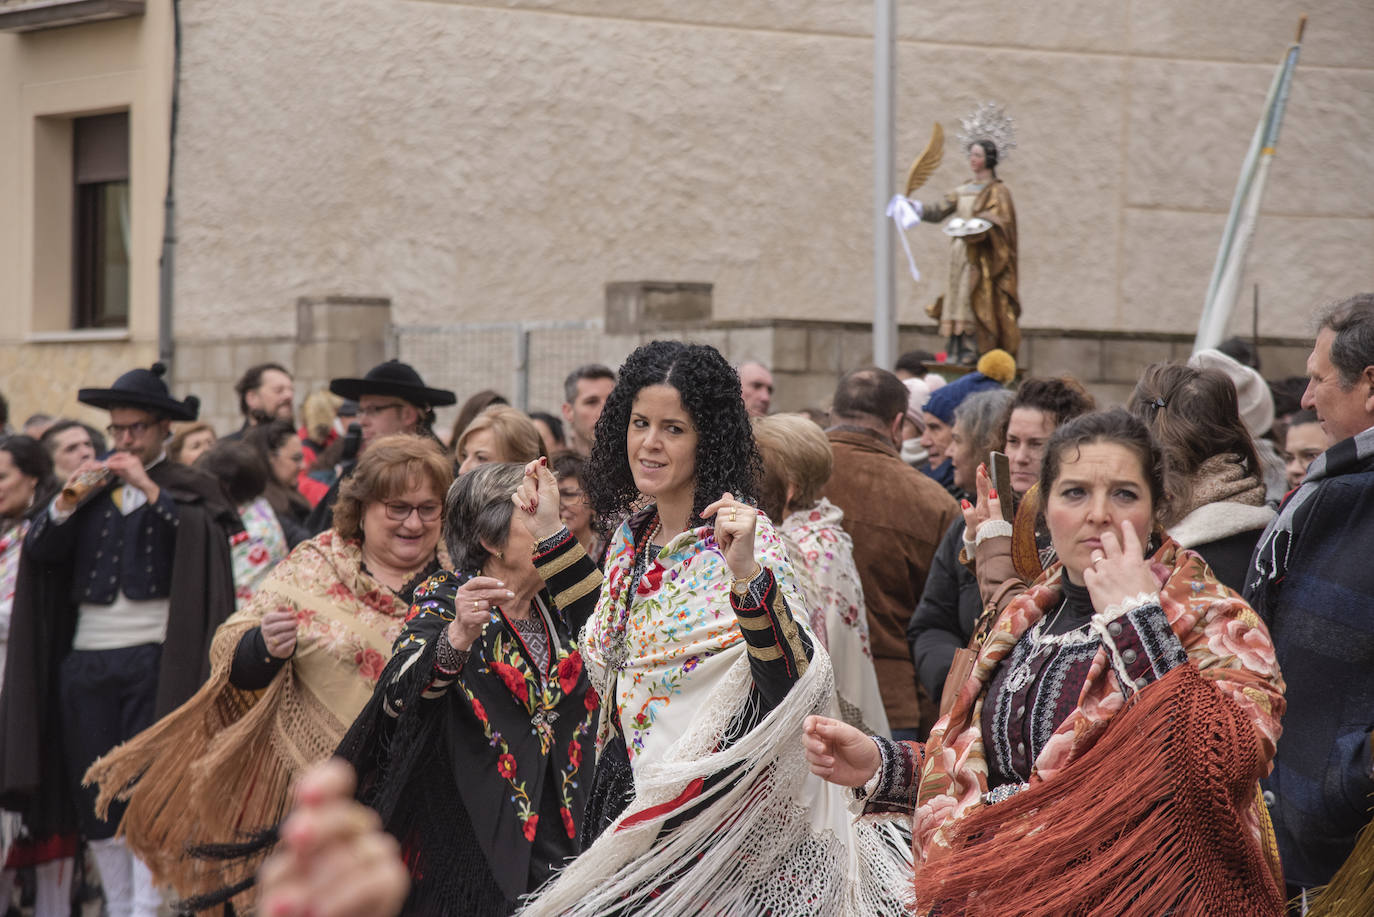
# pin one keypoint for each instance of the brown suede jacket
(896, 516)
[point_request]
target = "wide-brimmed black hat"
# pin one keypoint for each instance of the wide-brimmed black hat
(397, 379)
(142, 388)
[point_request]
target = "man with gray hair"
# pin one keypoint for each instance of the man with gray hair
(1311, 581)
(756, 387)
(584, 395)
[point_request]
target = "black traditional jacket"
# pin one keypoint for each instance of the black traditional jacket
(479, 774)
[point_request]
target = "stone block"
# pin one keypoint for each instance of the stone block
(1054, 356)
(823, 352)
(1109, 394)
(1279, 361)
(789, 349)
(1123, 360)
(797, 390)
(743, 344)
(856, 349)
(219, 364)
(650, 304)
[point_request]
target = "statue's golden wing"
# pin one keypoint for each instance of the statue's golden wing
(927, 162)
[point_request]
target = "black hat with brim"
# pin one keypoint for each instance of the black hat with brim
(400, 380)
(144, 389)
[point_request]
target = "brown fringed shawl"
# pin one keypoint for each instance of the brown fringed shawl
(222, 764)
(1143, 806)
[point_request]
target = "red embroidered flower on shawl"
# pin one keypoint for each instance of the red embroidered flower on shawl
(505, 766)
(591, 699)
(378, 601)
(258, 556)
(478, 709)
(650, 581)
(515, 682)
(569, 670)
(340, 592)
(567, 821)
(575, 753)
(370, 663)
(530, 824)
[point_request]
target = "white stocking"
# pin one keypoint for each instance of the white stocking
(116, 865)
(54, 898)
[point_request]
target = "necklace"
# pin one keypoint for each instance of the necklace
(618, 650)
(1040, 642)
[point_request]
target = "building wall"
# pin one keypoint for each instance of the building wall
(48, 77)
(479, 161)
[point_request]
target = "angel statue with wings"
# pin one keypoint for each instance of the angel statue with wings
(979, 308)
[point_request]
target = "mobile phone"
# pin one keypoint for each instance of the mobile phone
(1000, 468)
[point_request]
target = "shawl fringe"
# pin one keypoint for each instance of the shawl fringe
(1351, 890)
(214, 769)
(1150, 820)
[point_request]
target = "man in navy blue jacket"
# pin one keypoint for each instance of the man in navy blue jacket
(119, 592)
(1312, 580)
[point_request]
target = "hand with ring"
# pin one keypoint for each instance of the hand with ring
(1119, 569)
(735, 525)
(279, 632)
(472, 607)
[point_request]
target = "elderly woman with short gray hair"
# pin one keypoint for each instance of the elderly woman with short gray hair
(473, 745)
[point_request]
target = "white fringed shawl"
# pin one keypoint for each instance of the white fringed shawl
(773, 838)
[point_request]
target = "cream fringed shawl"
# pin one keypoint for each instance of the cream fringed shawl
(222, 764)
(771, 838)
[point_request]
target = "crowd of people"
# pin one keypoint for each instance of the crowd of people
(960, 639)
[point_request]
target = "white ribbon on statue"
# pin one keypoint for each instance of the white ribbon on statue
(906, 213)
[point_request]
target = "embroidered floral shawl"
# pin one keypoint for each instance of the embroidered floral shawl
(223, 762)
(680, 635)
(822, 554)
(1226, 643)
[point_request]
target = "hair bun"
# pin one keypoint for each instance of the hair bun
(158, 369)
(192, 402)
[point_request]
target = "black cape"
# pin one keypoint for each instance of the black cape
(32, 760)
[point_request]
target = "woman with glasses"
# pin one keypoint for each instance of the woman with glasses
(476, 748)
(289, 672)
(574, 509)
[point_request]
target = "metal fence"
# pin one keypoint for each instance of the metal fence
(524, 361)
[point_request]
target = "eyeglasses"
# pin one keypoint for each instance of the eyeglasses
(570, 496)
(400, 512)
(135, 429)
(372, 410)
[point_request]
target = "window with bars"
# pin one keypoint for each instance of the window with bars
(101, 240)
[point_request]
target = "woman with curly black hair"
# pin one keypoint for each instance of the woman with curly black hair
(705, 667)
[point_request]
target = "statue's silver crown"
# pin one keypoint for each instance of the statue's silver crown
(989, 122)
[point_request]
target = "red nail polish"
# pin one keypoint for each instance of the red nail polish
(992, 494)
(965, 504)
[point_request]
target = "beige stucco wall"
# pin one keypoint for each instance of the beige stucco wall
(481, 161)
(47, 77)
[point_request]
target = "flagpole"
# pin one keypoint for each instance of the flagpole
(1245, 205)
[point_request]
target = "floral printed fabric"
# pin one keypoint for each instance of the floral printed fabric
(681, 634)
(1224, 639)
(256, 550)
(822, 554)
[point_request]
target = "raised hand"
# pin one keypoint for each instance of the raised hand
(1119, 569)
(537, 501)
(334, 859)
(735, 525)
(989, 505)
(838, 752)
